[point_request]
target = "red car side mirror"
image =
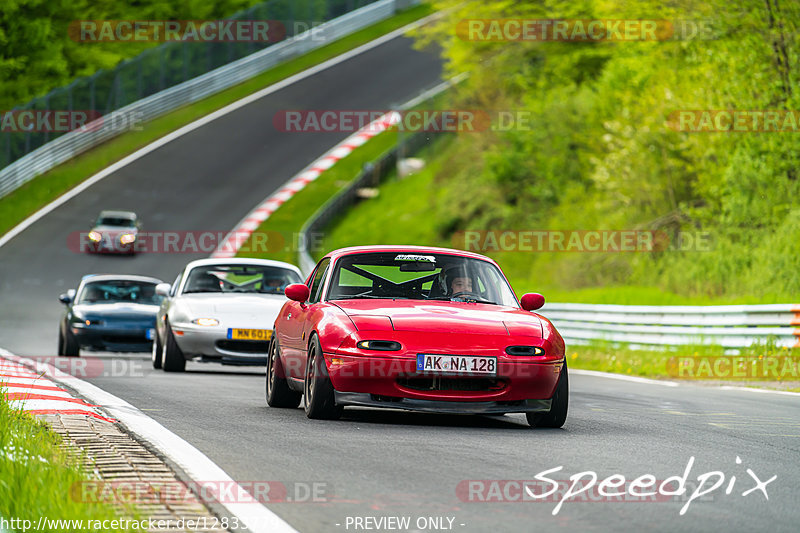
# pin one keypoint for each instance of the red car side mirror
(531, 301)
(297, 292)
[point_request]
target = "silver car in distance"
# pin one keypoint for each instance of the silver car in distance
(220, 310)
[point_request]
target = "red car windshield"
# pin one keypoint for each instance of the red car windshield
(419, 276)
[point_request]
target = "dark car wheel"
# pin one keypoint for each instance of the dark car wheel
(278, 392)
(557, 415)
(171, 355)
(318, 390)
(67, 344)
(155, 355)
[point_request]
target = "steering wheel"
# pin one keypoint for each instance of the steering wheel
(470, 293)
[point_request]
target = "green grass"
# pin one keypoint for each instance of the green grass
(663, 364)
(36, 476)
(399, 215)
(408, 211)
(24, 201)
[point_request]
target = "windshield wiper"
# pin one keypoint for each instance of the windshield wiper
(464, 300)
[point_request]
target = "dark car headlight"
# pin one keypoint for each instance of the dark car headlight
(384, 346)
(80, 321)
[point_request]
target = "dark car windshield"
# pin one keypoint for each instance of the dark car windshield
(119, 222)
(419, 276)
(240, 278)
(110, 291)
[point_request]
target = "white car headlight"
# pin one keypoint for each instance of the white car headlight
(206, 321)
(127, 238)
(95, 236)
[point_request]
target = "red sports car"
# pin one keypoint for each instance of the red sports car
(416, 328)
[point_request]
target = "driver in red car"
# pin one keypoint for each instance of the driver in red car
(455, 281)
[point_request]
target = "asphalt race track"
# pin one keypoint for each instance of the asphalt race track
(388, 463)
(392, 463)
(206, 180)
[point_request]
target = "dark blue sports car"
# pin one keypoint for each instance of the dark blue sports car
(109, 312)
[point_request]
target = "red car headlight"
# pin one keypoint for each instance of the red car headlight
(383, 346)
(525, 350)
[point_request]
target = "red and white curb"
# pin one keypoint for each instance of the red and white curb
(255, 517)
(238, 236)
(31, 391)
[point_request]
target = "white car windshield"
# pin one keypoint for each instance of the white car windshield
(240, 279)
(402, 275)
(119, 222)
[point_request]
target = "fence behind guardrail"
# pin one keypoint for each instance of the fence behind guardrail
(172, 75)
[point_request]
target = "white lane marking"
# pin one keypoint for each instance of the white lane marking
(622, 377)
(255, 516)
(158, 143)
(768, 391)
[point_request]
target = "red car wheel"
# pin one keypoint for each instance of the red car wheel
(318, 390)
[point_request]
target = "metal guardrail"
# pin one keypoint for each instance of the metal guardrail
(730, 326)
(74, 143)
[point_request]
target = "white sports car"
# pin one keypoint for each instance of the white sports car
(220, 310)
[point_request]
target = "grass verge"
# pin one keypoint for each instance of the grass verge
(36, 476)
(26, 200)
(407, 211)
(762, 366)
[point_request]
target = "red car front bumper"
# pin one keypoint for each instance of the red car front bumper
(365, 380)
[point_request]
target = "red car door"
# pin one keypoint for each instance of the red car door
(293, 337)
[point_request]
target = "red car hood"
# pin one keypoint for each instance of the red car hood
(441, 317)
